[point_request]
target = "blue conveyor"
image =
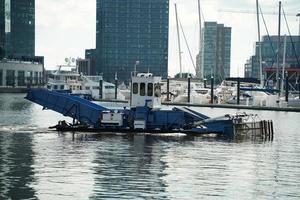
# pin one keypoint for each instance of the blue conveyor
(68, 105)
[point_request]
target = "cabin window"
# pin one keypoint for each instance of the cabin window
(142, 89)
(135, 88)
(157, 92)
(150, 89)
(87, 88)
(109, 87)
(55, 87)
(62, 87)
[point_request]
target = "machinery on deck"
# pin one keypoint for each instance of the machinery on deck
(144, 114)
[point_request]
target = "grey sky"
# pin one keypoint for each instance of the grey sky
(65, 28)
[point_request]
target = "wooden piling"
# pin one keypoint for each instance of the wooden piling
(238, 92)
(299, 85)
(212, 90)
(272, 131)
(286, 87)
(189, 89)
(116, 87)
(168, 89)
(269, 128)
(261, 129)
(266, 130)
(101, 88)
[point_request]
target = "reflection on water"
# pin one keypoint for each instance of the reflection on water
(130, 167)
(36, 163)
(16, 172)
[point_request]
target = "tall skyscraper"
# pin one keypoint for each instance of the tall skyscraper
(215, 51)
(129, 33)
(17, 25)
(2, 30)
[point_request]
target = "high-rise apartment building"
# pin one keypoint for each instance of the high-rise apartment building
(215, 51)
(17, 28)
(129, 33)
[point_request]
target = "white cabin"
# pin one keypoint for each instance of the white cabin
(146, 90)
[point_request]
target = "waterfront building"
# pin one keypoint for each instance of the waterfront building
(17, 25)
(91, 55)
(19, 67)
(214, 59)
(16, 75)
(269, 58)
(129, 33)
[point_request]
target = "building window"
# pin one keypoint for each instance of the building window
(40, 78)
(150, 89)
(10, 78)
(36, 77)
(1, 77)
(142, 89)
(135, 88)
(21, 78)
(7, 16)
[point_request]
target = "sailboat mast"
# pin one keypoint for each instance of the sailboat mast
(283, 64)
(200, 27)
(259, 47)
(278, 47)
(179, 47)
(198, 68)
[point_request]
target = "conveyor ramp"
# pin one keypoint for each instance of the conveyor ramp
(191, 113)
(68, 105)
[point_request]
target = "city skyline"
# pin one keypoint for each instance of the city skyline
(67, 29)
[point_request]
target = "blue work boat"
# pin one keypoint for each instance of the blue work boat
(145, 113)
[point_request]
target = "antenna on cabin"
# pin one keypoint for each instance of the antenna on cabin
(70, 61)
(135, 66)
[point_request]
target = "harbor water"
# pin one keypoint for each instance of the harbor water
(36, 163)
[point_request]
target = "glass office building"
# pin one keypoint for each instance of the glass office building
(2, 30)
(215, 51)
(17, 22)
(269, 55)
(129, 33)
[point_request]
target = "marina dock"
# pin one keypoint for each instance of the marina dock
(229, 106)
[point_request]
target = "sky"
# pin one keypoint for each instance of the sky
(65, 28)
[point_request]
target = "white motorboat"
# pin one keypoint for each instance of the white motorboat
(67, 79)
